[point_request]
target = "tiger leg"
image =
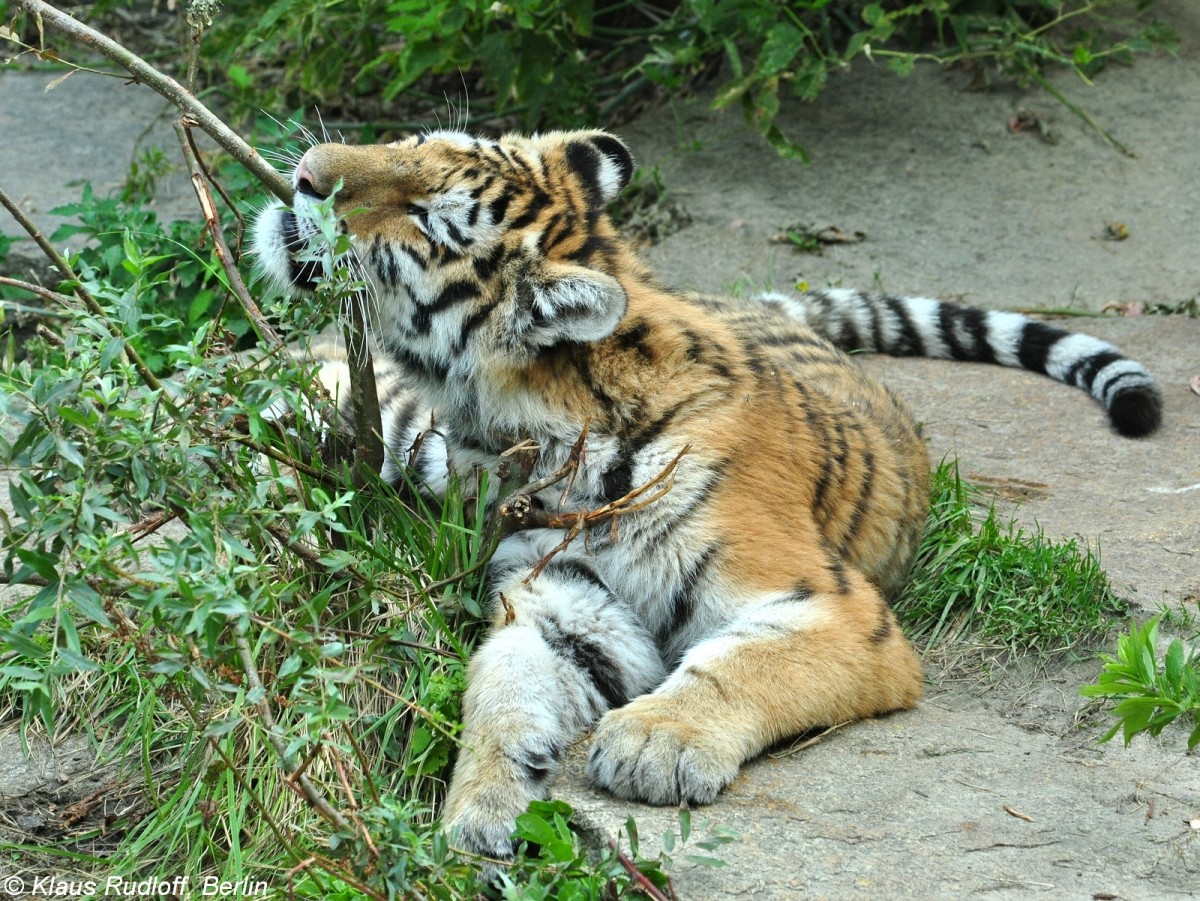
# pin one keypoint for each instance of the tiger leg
(562, 650)
(785, 664)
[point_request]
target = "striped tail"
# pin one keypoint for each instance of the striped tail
(918, 326)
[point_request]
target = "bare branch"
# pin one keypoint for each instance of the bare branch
(364, 397)
(37, 291)
(518, 510)
(168, 87)
(208, 208)
(56, 258)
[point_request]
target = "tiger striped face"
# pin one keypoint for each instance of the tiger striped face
(476, 253)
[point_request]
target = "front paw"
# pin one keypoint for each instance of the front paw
(484, 829)
(646, 751)
(491, 787)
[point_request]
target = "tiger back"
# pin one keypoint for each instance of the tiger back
(745, 604)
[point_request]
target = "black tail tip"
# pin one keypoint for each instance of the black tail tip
(1136, 412)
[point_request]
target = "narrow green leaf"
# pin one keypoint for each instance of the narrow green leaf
(221, 727)
(1173, 665)
(704, 861)
(533, 828)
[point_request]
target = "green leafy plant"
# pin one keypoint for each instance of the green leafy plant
(568, 63)
(289, 621)
(562, 867)
(171, 268)
(289, 648)
(1149, 695)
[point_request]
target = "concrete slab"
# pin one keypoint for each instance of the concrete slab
(86, 129)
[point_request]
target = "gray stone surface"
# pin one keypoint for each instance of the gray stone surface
(953, 204)
(85, 129)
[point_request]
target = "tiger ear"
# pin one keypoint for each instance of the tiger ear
(563, 302)
(602, 163)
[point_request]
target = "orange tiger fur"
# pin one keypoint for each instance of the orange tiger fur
(750, 602)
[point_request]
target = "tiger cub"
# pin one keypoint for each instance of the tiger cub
(747, 604)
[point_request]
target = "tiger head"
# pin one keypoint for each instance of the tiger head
(474, 253)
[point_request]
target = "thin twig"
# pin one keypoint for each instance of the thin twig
(1081, 113)
(340, 871)
(458, 576)
(191, 157)
(643, 884)
(351, 801)
(305, 763)
(362, 762)
(33, 580)
(151, 524)
(254, 683)
(38, 291)
(168, 87)
(368, 457)
(193, 58)
(266, 450)
(39, 239)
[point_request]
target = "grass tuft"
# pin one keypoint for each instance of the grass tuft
(978, 575)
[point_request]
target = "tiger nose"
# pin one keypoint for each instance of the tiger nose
(305, 182)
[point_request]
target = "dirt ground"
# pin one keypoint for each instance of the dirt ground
(995, 785)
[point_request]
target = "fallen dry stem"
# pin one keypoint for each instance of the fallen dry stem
(808, 742)
(518, 511)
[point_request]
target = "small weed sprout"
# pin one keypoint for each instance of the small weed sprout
(1149, 695)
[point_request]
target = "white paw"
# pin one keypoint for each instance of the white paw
(645, 752)
(492, 786)
(484, 829)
